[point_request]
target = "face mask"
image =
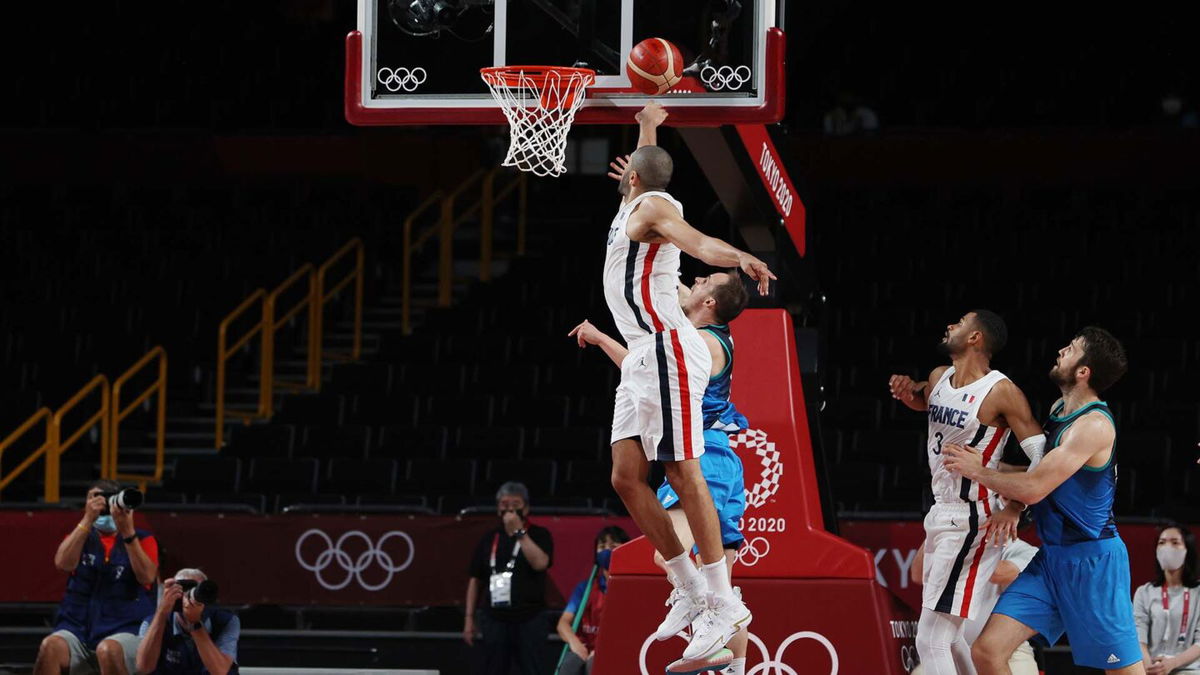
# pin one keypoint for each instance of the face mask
(105, 524)
(603, 558)
(1171, 558)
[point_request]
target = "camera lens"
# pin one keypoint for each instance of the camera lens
(127, 499)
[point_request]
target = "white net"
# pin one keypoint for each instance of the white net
(540, 104)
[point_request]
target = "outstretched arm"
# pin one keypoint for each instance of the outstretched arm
(587, 334)
(654, 219)
(1089, 436)
(911, 393)
(649, 118)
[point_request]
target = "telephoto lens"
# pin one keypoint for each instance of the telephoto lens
(127, 499)
(203, 592)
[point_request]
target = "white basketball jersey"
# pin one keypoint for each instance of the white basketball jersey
(641, 281)
(954, 418)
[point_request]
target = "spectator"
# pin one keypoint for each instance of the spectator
(185, 636)
(1165, 610)
(113, 566)
(510, 562)
(581, 643)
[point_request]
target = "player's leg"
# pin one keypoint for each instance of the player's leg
(630, 470)
(682, 531)
(995, 646)
(687, 478)
(937, 634)
(739, 642)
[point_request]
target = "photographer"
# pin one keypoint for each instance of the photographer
(113, 566)
(186, 636)
(509, 566)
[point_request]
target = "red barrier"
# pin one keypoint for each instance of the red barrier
(298, 559)
(817, 605)
(893, 545)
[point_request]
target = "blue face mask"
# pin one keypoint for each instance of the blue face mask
(105, 524)
(603, 558)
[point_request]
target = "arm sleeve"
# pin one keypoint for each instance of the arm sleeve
(227, 641)
(576, 598)
(541, 537)
(1019, 553)
(1141, 613)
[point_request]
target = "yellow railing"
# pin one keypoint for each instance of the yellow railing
(42, 415)
(410, 245)
(225, 351)
(119, 414)
(445, 226)
(323, 296)
(273, 317)
(272, 324)
(103, 417)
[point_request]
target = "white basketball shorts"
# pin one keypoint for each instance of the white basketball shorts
(659, 398)
(958, 559)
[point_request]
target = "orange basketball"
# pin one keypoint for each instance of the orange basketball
(654, 66)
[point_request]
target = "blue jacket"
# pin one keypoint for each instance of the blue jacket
(178, 654)
(103, 594)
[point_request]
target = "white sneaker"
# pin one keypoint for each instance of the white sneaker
(721, 620)
(685, 607)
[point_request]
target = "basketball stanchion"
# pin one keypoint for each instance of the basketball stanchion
(587, 591)
(540, 103)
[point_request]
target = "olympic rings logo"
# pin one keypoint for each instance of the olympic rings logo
(725, 77)
(401, 78)
(354, 567)
(753, 550)
(772, 665)
(755, 441)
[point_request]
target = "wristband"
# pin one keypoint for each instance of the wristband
(130, 538)
(79, 526)
(519, 533)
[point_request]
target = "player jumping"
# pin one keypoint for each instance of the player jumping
(1078, 582)
(658, 409)
(711, 304)
(970, 404)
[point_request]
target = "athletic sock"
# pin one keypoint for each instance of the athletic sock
(717, 576)
(735, 667)
(685, 575)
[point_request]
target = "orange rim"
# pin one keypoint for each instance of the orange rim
(513, 75)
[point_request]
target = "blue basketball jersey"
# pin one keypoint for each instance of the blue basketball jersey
(1081, 509)
(719, 411)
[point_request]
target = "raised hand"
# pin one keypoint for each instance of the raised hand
(586, 334)
(653, 114)
(758, 271)
(903, 387)
(618, 166)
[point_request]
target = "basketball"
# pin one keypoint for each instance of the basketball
(654, 66)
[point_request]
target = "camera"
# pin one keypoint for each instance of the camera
(127, 499)
(203, 592)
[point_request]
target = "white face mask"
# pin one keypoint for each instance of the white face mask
(1171, 557)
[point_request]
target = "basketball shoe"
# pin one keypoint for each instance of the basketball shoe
(720, 620)
(686, 603)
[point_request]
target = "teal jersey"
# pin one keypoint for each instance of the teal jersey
(1081, 509)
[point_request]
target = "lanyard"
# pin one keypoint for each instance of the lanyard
(512, 562)
(1166, 604)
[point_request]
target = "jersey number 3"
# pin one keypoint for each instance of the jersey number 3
(938, 449)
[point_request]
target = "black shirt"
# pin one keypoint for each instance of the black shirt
(528, 585)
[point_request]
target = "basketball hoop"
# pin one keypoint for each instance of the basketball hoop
(540, 103)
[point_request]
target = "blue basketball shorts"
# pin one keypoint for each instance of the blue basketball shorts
(723, 472)
(1082, 590)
